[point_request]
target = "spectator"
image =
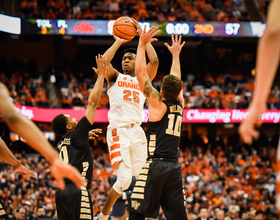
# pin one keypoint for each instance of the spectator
(19, 214)
(203, 214)
(88, 15)
(232, 215)
(29, 214)
(220, 215)
(104, 101)
(50, 14)
(40, 212)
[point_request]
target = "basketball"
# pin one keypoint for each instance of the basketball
(124, 28)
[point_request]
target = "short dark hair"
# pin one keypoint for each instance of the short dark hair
(171, 87)
(40, 207)
(130, 50)
(21, 207)
(59, 125)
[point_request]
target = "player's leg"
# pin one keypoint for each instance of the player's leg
(118, 144)
(61, 205)
(73, 204)
(85, 205)
(146, 195)
(139, 152)
(136, 216)
(124, 177)
(174, 192)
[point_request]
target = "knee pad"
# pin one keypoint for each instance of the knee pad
(124, 178)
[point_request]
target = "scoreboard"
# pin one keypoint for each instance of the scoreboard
(104, 27)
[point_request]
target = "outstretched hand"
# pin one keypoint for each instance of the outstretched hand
(59, 171)
(176, 44)
(102, 65)
(92, 134)
(147, 36)
(247, 129)
(23, 169)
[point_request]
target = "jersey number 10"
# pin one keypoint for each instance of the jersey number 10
(176, 131)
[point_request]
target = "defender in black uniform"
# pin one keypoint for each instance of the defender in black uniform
(160, 181)
(72, 203)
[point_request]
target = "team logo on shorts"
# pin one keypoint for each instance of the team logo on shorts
(134, 204)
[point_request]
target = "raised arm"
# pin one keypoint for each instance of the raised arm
(146, 86)
(8, 157)
(93, 99)
(268, 56)
(33, 136)
(175, 50)
(109, 55)
(152, 66)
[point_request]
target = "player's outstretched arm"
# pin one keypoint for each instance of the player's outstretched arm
(175, 50)
(146, 86)
(109, 55)
(93, 99)
(152, 66)
(8, 157)
(268, 56)
(33, 136)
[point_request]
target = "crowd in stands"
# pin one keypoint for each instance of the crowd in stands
(228, 178)
(68, 90)
(141, 10)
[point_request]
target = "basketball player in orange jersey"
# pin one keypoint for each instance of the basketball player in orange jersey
(33, 137)
(268, 56)
(125, 137)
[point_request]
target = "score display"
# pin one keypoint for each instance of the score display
(104, 28)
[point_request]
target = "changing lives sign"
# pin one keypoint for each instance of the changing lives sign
(190, 115)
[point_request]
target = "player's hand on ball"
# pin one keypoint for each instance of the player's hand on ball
(92, 134)
(138, 26)
(122, 41)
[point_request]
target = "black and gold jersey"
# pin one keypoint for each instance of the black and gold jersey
(74, 149)
(164, 135)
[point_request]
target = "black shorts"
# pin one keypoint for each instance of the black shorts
(73, 204)
(159, 183)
